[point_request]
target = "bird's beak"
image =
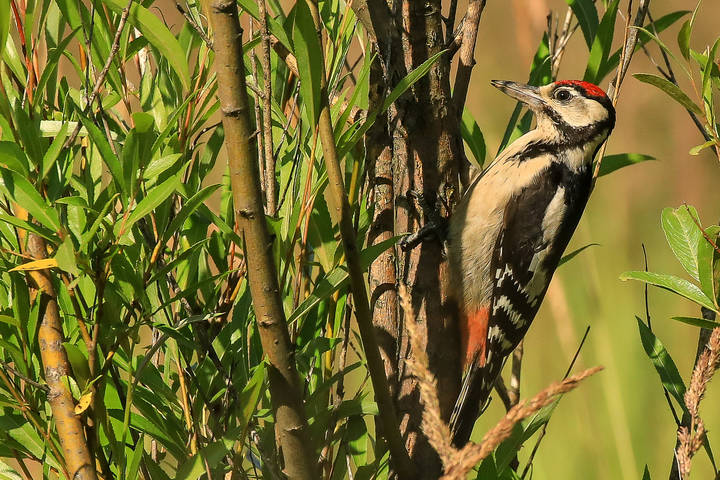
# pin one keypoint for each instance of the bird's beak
(527, 94)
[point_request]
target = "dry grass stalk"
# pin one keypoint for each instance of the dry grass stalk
(690, 440)
(472, 454)
(436, 430)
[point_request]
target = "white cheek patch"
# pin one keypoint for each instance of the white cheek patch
(583, 113)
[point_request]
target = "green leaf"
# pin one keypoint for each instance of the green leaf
(410, 79)
(65, 257)
(587, 16)
(670, 89)
(699, 148)
(309, 55)
(685, 32)
(602, 44)
(159, 36)
(154, 198)
(159, 165)
(100, 142)
(357, 439)
(658, 26)
(6, 471)
(194, 467)
(338, 278)
(663, 363)
(51, 65)
(52, 153)
(683, 236)
(646, 474)
(473, 137)
(13, 157)
(23, 193)
(697, 322)
(4, 24)
(275, 27)
(79, 363)
(684, 38)
(44, 232)
(610, 163)
(573, 254)
(705, 258)
(134, 465)
(249, 398)
(188, 208)
(669, 282)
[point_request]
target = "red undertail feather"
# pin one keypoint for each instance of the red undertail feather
(473, 336)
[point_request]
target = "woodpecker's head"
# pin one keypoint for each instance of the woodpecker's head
(571, 111)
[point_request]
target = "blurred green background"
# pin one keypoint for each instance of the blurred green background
(617, 421)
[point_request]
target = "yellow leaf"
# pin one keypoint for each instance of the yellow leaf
(84, 403)
(43, 264)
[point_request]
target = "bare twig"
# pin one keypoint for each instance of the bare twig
(194, 25)
(103, 73)
(285, 387)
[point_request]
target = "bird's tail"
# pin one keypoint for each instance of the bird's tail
(477, 384)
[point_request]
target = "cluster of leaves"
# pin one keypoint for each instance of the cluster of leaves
(694, 246)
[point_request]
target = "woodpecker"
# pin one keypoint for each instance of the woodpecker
(509, 230)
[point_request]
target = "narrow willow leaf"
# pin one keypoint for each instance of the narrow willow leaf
(158, 35)
(658, 26)
(249, 398)
(6, 471)
(671, 89)
(610, 163)
(410, 79)
(602, 44)
(43, 264)
(189, 208)
(65, 257)
(52, 153)
(663, 363)
(4, 23)
(101, 142)
(51, 65)
(674, 284)
(697, 322)
(699, 148)
(309, 55)
(683, 236)
(154, 198)
(573, 254)
(587, 16)
(706, 259)
(13, 158)
(473, 137)
(275, 27)
(194, 467)
(22, 192)
(44, 232)
(684, 39)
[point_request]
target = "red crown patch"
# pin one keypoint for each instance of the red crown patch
(590, 89)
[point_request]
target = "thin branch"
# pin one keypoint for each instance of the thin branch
(103, 73)
(270, 190)
(294, 440)
(194, 25)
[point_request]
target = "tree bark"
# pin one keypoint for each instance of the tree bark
(300, 459)
(426, 149)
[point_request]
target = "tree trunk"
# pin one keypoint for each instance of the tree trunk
(418, 150)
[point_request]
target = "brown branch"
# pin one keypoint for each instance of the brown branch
(270, 190)
(399, 456)
(56, 368)
(285, 388)
(103, 73)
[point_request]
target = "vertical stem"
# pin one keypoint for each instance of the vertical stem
(56, 368)
(400, 459)
(300, 458)
(270, 190)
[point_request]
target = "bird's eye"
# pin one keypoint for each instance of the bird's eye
(562, 95)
